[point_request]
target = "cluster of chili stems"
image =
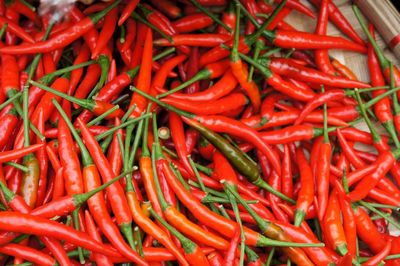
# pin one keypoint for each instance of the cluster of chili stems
(197, 132)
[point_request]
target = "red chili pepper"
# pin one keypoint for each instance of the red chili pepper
(107, 31)
(337, 18)
(192, 23)
(6, 156)
(144, 78)
(333, 225)
(127, 11)
(379, 257)
(321, 56)
(92, 230)
(306, 193)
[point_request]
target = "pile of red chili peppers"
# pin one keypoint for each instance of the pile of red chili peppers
(195, 132)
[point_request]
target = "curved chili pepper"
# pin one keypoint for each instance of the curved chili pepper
(120, 206)
(110, 21)
(304, 40)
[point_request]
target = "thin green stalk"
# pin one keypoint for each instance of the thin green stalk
(21, 167)
(102, 116)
